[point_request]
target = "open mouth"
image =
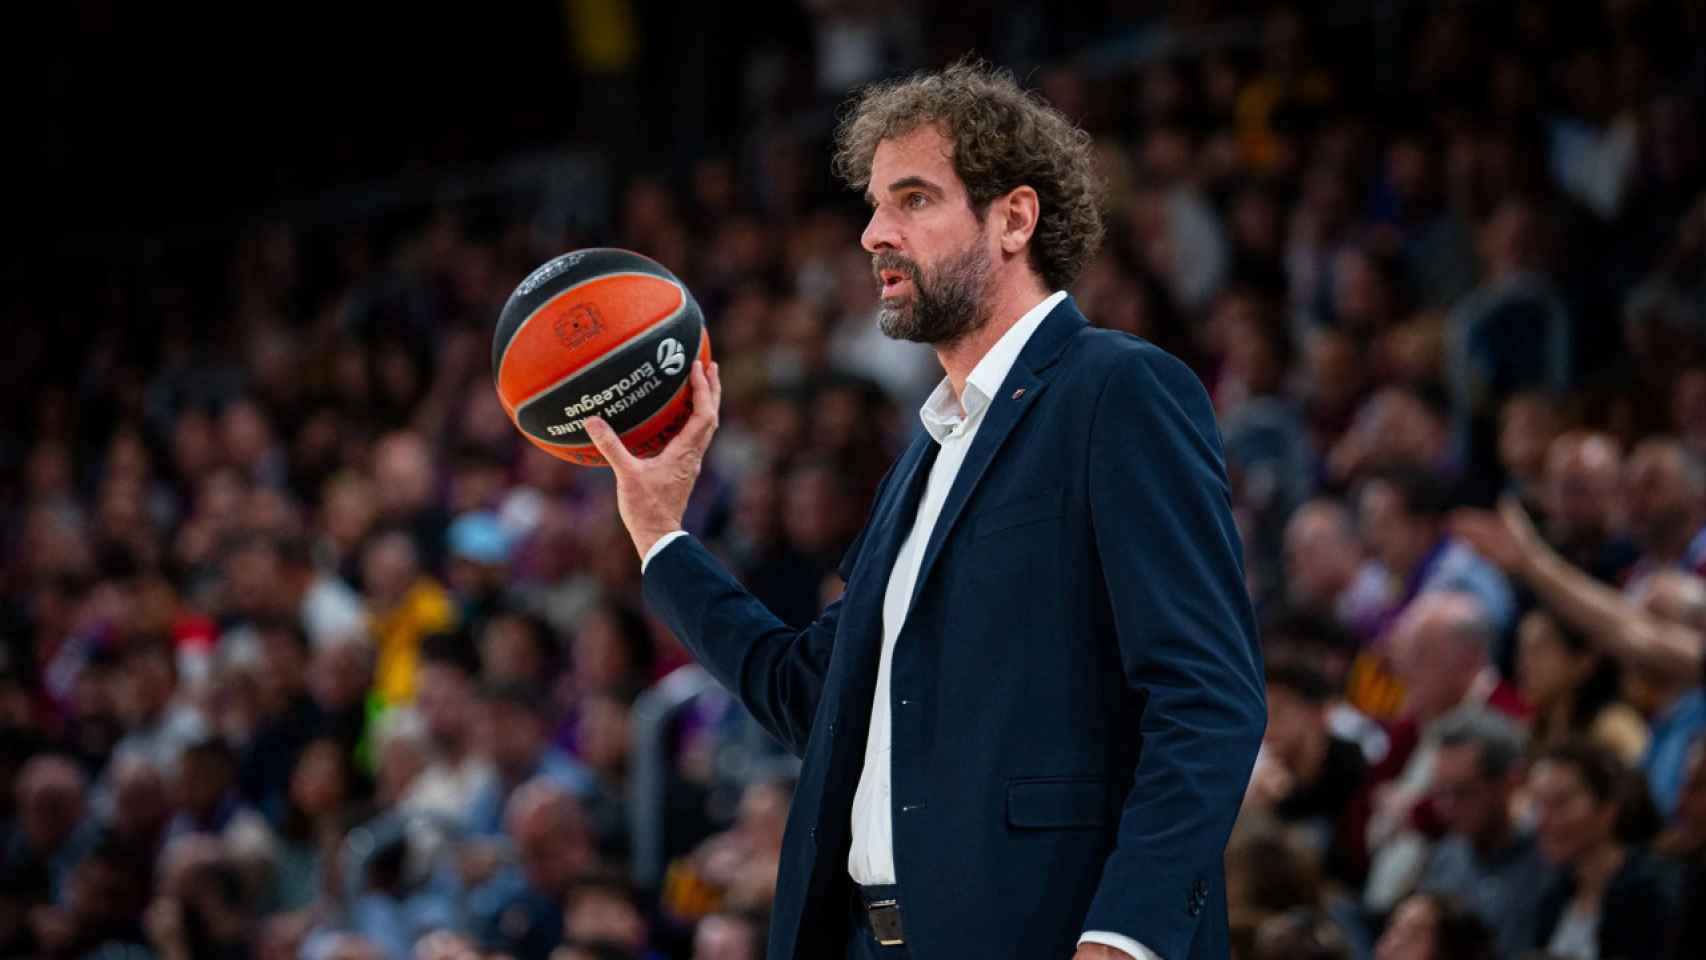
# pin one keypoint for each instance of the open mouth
(894, 282)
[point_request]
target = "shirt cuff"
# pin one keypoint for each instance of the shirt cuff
(1132, 948)
(657, 548)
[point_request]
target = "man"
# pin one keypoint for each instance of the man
(518, 747)
(1483, 861)
(287, 715)
(1667, 508)
(1327, 571)
(520, 912)
(1402, 511)
(1441, 651)
(448, 702)
(406, 605)
(1511, 333)
(159, 723)
(1580, 495)
(1049, 587)
(1305, 775)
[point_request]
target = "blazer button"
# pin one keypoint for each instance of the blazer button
(832, 728)
(814, 834)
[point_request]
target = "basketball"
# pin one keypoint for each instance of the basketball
(598, 332)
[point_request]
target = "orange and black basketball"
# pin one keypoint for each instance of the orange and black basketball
(598, 332)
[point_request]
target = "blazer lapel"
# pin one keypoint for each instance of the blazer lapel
(890, 523)
(1017, 395)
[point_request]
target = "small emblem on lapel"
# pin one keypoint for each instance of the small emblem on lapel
(1017, 394)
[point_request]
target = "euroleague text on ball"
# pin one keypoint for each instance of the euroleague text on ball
(619, 396)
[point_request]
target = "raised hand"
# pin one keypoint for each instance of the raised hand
(651, 493)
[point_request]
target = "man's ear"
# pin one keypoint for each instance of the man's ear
(1017, 213)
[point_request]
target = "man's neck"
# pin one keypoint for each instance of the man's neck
(1010, 302)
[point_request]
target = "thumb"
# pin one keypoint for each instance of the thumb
(609, 445)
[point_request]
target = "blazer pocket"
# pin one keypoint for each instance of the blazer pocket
(1057, 803)
(1047, 505)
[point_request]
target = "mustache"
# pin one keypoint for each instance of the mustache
(889, 260)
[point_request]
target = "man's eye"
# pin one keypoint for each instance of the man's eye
(915, 200)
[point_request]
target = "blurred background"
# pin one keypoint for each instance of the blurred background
(307, 655)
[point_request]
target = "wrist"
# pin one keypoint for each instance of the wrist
(645, 541)
(657, 546)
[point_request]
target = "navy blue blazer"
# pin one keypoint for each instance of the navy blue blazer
(1077, 691)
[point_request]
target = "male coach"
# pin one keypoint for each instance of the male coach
(1027, 724)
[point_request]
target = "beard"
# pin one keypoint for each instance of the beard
(944, 306)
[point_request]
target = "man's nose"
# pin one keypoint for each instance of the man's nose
(879, 234)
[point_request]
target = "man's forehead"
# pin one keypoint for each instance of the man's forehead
(922, 151)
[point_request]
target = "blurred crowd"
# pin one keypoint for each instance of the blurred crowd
(306, 654)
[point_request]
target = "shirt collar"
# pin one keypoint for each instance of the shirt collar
(941, 413)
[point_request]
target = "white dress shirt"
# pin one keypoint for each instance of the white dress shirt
(953, 423)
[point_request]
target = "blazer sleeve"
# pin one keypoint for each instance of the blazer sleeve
(777, 672)
(1172, 562)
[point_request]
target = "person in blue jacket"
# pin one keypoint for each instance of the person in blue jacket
(1027, 725)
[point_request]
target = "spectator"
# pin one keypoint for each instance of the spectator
(1402, 514)
(733, 869)
(516, 648)
(1328, 572)
(1528, 428)
(525, 918)
(1579, 500)
(103, 909)
(1574, 690)
(457, 771)
(324, 788)
(1512, 332)
(603, 911)
(1667, 508)
(1400, 426)
(286, 714)
(340, 673)
(141, 807)
(513, 730)
(406, 605)
(1485, 861)
(730, 936)
(1441, 652)
(160, 724)
(1305, 776)
(479, 572)
(1303, 935)
(1428, 927)
(50, 834)
(1612, 898)
(207, 800)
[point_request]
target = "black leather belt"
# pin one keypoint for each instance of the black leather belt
(879, 910)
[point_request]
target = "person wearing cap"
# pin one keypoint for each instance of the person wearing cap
(478, 570)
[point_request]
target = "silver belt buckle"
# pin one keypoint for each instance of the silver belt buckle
(885, 922)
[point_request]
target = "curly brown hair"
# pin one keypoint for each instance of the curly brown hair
(1003, 137)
